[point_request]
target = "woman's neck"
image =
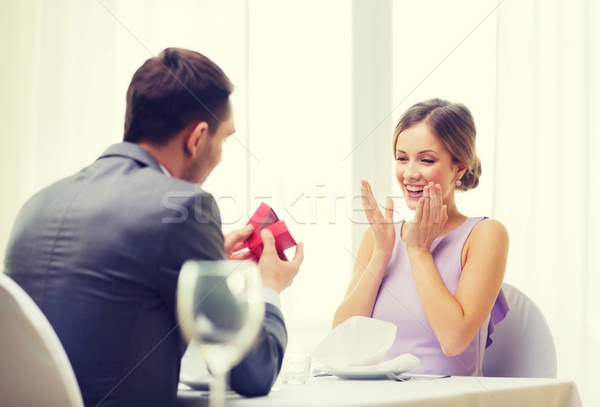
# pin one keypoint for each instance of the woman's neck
(455, 219)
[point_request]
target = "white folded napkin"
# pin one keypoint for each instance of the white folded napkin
(359, 344)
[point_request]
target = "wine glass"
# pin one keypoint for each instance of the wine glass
(220, 305)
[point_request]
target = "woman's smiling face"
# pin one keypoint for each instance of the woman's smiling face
(421, 158)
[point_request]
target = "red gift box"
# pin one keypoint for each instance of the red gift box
(265, 218)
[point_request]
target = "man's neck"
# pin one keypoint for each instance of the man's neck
(167, 156)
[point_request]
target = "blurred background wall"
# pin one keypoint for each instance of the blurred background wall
(319, 88)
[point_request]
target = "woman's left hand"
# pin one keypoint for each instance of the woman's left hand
(430, 217)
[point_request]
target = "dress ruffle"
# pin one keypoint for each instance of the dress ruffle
(499, 311)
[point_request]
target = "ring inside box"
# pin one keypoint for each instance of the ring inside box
(267, 220)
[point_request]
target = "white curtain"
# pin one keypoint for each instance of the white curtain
(67, 64)
(547, 174)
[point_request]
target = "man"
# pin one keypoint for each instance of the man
(100, 251)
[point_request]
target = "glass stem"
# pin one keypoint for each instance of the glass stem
(217, 388)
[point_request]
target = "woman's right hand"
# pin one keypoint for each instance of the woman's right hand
(382, 227)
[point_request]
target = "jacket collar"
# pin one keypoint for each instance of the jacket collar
(133, 151)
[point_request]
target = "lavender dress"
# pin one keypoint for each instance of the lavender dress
(398, 302)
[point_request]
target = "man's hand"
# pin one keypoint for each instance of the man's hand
(234, 242)
(277, 273)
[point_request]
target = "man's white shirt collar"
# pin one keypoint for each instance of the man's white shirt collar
(164, 170)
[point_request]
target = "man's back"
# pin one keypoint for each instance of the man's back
(100, 253)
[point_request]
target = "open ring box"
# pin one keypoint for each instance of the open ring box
(265, 218)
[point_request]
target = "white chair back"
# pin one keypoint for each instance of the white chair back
(522, 345)
(34, 368)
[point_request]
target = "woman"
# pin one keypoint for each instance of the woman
(438, 276)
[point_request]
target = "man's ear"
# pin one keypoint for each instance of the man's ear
(195, 138)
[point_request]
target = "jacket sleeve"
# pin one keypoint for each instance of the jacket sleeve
(256, 373)
(193, 234)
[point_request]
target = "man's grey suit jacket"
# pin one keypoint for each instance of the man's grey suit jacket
(100, 253)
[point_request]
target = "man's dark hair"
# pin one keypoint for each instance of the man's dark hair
(173, 90)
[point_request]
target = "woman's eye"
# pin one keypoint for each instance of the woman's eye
(427, 161)
(403, 159)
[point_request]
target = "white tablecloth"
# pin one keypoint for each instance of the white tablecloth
(446, 392)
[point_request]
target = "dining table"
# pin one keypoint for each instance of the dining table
(455, 391)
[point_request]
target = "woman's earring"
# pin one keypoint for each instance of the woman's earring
(458, 183)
